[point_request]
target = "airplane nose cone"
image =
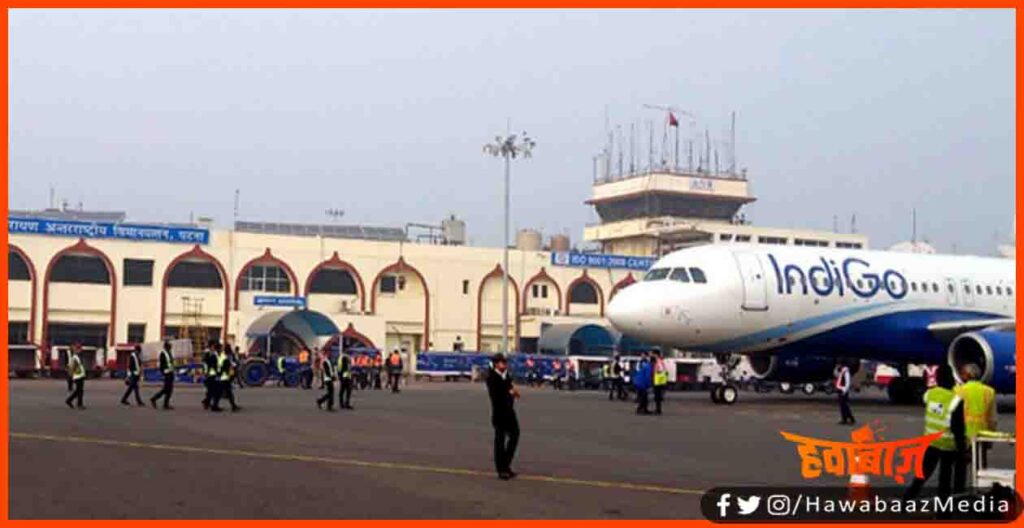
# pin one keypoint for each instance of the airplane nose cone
(625, 311)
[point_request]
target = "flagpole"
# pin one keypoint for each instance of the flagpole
(675, 158)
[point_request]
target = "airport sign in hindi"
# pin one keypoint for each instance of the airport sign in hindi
(73, 228)
(279, 300)
(600, 260)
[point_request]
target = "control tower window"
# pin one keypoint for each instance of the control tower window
(583, 293)
(656, 274)
(679, 274)
(698, 275)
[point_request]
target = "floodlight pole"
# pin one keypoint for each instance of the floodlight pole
(507, 147)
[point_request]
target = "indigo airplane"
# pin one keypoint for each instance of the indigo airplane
(796, 311)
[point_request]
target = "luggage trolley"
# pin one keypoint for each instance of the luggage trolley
(983, 476)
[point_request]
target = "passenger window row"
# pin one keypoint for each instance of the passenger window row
(677, 274)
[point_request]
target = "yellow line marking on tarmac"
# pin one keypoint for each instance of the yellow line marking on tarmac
(358, 463)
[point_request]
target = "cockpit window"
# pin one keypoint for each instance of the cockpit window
(698, 275)
(656, 274)
(679, 274)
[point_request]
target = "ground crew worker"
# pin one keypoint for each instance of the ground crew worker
(943, 411)
(377, 371)
(618, 379)
(606, 378)
(843, 385)
(642, 383)
(304, 369)
(328, 374)
(76, 373)
(660, 379)
(394, 370)
(76, 348)
(209, 360)
(570, 375)
(345, 373)
(166, 366)
(503, 395)
(132, 376)
(224, 375)
(556, 375)
(531, 371)
(236, 365)
(280, 369)
(979, 401)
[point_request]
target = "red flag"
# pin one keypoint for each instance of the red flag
(672, 121)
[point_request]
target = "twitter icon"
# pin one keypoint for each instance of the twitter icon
(748, 505)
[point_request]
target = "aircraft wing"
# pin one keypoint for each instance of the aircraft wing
(947, 331)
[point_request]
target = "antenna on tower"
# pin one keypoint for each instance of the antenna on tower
(53, 197)
(732, 144)
(238, 194)
(632, 148)
(853, 223)
(618, 130)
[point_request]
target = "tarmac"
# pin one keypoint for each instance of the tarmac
(422, 454)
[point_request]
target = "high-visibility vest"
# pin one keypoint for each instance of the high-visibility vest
(345, 371)
(77, 367)
(978, 401)
(395, 360)
(169, 369)
(224, 366)
(939, 403)
(606, 370)
(328, 372)
(660, 374)
(133, 364)
(280, 364)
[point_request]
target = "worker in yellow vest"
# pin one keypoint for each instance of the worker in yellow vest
(979, 401)
(225, 374)
(327, 374)
(76, 372)
(943, 412)
(660, 379)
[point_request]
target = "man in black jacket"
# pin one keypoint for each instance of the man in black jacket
(503, 416)
(210, 373)
(166, 365)
(132, 377)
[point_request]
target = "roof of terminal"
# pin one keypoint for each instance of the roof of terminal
(390, 234)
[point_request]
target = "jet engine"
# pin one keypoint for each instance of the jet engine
(993, 351)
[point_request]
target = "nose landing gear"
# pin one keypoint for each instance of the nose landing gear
(726, 392)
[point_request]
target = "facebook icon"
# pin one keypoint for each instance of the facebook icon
(723, 504)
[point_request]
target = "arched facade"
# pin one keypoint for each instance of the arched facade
(194, 254)
(496, 274)
(402, 267)
(33, 279)
(335, 262)
(541, 278)
(80, 248)
(584, 278)
(267, 258)
(626, 281)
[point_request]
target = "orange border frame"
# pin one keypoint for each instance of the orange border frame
(605, 4)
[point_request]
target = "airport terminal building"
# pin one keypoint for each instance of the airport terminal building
(99, 279)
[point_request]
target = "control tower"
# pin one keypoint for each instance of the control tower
(661, 207)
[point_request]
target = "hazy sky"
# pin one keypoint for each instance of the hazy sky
(383, 113)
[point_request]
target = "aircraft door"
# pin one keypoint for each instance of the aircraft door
(951, 295)
(755, 286)
(968, 292)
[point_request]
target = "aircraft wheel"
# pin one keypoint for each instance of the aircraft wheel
(785, 387)
(729, 394)
(809, 388)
